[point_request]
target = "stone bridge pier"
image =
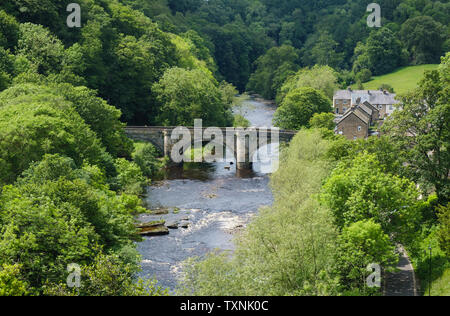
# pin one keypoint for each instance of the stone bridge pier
(243, 143)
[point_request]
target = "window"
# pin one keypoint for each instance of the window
(345, 101)
(354, 138)
(359, 128)
(344, 109)
(391, 107)
(337, 111)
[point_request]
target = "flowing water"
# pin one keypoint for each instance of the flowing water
(213, 199)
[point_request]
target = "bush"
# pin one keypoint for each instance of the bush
(129, 179)
(145, 156)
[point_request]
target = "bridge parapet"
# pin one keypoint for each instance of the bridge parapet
(244, 141)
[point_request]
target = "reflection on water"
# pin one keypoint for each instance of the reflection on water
(213, 200)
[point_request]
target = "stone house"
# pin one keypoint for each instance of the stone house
(381, 100)
(354, 124)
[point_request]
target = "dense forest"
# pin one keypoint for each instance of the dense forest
(71, 181)
(124, 47)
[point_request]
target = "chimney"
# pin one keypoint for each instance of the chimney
(349, 89)
(368, 92)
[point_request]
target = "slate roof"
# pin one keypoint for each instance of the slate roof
(366, 109)
(371, 96)
(363, 116)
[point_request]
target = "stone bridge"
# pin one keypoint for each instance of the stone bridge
(242, 142)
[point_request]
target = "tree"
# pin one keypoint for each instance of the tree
(381, 54)
(359, 189)
(272, 69)
(359, 245)
(321, 49)
(9, 30)
(322, 78)
(322, 120)
(289, 248)
(421, 128)
(186, 95)
(10, 281)
(145, 156)
(299, 106)
(424, 38)
(101, 117)
(47, 124)
(43, 49)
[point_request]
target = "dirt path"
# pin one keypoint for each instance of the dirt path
(402, 282)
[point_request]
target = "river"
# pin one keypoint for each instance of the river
(213, 199)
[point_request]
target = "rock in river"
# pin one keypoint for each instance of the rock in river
(153, 229)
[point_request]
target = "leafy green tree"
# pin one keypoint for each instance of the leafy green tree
(289, 248)
(322, 78)
(47, 124)
(101, 117)
(145, 156)
(186, 95)
(421, 129)
(9, 30)
(359, 189)
(58, 214)
(108, 275)
(424, 38)
(359, 245)
(321, 49)
(363, 76)
(382, 53)
(299, 106)
(43, 49)
(10, 281)
(129, 177)
(272, 69)
(322, 120)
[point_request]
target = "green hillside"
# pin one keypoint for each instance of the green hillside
(402, 80)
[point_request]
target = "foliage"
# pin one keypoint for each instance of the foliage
(240, 121)
(381, 54)
(145, 156)
(9, 30)
(186, 95)
(424, 38)
(101, 117)
(108, 275)
(299, 106)
(10, 282)
(444, 228)
(322, 120)
(34, 125)
(359, 190)
(359, 245)
(272, 69)
(321, 78)
(422, 130)
(289, 248)
(130, 178)
(56, 214)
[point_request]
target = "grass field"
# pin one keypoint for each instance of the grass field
(441, 287)
(402, 80)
